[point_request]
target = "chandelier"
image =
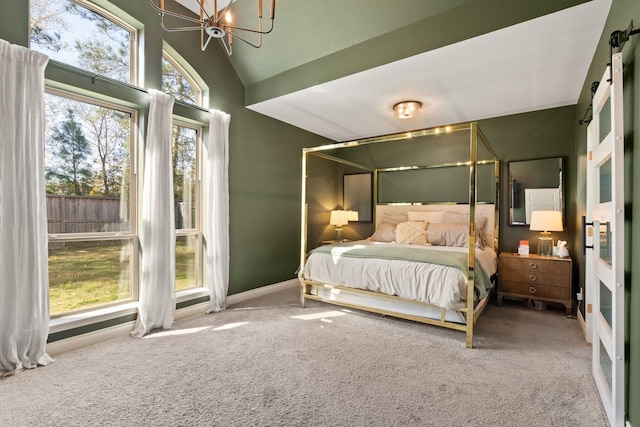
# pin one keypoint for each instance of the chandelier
(217, 24)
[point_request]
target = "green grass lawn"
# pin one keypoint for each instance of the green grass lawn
(86, 276)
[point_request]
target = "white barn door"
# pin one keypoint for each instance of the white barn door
(605, 261)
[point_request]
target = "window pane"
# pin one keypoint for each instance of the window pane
(87, 167)
(75, 35)
(84, 274)
(606, 233)
(184, 175)
(604, 182)
(177, 83)
(606, 365)
(604, 118)
(606, 306)
(186, 261)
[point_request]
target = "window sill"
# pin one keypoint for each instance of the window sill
(106, 314)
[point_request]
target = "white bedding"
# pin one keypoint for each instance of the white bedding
(434, 284)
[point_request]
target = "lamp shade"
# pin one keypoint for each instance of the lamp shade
(546, 221)
(339, 218)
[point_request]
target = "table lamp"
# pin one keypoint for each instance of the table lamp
(340, 218)
(546, 221)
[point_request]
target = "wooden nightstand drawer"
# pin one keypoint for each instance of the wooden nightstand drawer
(535, 277)
(540, 265)
(534, 291)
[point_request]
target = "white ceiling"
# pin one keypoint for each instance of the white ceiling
(538, 64)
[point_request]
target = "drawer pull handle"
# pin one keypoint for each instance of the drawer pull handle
(532, 278)
(533, 266)
(532, 290)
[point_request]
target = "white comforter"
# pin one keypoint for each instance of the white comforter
(434, 284)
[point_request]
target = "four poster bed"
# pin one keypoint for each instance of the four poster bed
(425, 261)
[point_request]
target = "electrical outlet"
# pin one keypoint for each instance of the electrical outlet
(579, 294)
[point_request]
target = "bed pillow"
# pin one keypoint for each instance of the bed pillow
(385, 232)
(463, 218)
(455, 217)
(394, 219)
(481, 234)
(448, 234)
(479, 239)
(412, 232)
(426, 216)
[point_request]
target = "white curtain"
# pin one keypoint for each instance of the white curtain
(157, 231)
(24, 279)
(216, 222)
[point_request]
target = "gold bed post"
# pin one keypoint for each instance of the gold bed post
(303, 226)
(473, 169)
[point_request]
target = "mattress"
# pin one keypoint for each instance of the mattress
(415, 278)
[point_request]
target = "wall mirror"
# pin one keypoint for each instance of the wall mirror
(534, 185)
(358, 195)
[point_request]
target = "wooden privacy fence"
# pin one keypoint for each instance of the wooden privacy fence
(83, 214)
(87, 214)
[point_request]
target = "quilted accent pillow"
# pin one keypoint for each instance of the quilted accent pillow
(386, 232)
(412, 232)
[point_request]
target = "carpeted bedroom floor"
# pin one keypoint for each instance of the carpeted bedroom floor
(269, 362)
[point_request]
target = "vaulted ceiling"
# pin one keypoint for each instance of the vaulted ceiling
(336, 67)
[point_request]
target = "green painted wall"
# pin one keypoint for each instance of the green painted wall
(621, 14)
(535, 135)
(265, 154)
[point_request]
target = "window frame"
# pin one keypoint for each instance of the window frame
(133, 41)
(130, 235)
(166, 55)
(197, 231)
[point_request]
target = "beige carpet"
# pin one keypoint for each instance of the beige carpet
(268, 362)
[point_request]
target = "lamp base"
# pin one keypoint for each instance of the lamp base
(338, 234)
(545, 246)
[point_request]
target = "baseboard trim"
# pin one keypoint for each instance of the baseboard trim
(72, 343)
(262, 291)
(123, 329)
(583, 325)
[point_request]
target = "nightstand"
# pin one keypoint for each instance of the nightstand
(331, 242)
(536, 277)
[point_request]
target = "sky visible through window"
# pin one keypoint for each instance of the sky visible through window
(70, 33)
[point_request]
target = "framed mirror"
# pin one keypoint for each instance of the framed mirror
(534, 185)
(358, 195)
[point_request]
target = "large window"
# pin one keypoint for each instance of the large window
(177, 82)
(78, 34)
(90, 201)
(186, 189)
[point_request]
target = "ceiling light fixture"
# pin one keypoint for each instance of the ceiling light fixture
(215, 25)
(407, 109)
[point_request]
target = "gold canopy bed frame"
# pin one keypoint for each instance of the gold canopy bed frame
(392, 305)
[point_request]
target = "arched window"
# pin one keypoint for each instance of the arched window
(177, 82)
(77, 33)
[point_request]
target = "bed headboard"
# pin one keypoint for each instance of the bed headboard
(486, 209)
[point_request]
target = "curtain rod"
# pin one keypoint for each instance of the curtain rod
(94, 77)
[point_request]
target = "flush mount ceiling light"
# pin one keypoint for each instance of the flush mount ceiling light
(407, 109)
(216, 24)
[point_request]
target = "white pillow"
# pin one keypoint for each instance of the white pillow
(455, 217)
(394, 219)
(426, 216)
(385, 232)
(412, 233)
(448, 234)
